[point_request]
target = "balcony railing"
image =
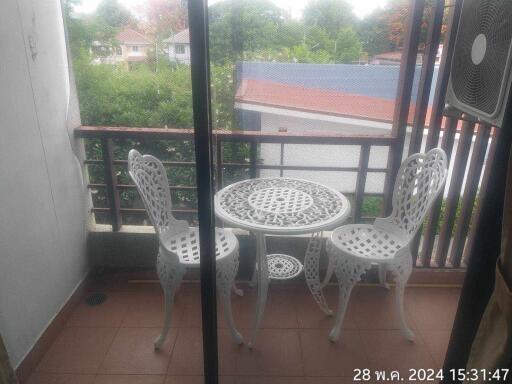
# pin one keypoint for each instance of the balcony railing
(109, 135)
(444, 234)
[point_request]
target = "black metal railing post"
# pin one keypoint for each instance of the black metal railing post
(253, 160)
(107, 149)
(364, 158)
(220, 164)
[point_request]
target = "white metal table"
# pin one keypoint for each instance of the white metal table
(282, 206)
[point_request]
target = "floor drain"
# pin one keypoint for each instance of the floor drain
(96, 299)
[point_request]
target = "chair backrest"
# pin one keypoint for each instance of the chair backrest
(420, 179)
(150, 177)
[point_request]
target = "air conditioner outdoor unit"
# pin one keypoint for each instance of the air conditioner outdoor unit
(481, 75)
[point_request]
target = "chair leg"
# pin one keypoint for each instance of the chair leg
(312, 273)
(170, 273)
(254, 277)
(348, 272)
(401, 269)
(344, 296)
(383, 270)
(237, 291)
(226, 272)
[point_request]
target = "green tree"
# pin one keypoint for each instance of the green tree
(347, 46)
(161, 19)
(81, 32)
(316, 39)
(384, 29)
(237, 26)
(111, 13)
(373, 34)
(332, 15)
(290, 33)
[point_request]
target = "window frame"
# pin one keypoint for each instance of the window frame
(182, 49)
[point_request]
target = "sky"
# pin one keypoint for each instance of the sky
(295, 7)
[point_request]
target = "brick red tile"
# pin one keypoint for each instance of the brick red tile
(324, 358)
(132, 352)
(77, 350)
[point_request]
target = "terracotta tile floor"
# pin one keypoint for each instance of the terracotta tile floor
(113, 342)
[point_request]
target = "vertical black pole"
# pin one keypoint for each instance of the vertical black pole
(198, 16)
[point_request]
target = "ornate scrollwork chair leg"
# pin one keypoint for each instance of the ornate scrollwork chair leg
(348, 272)
(383, 271)
(226, 272)
(312, 273)
(170, 274)
(401, 268)
(254, 277)
(237, 291)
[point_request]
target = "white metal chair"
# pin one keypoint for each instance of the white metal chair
(352, 249)
(179, 244)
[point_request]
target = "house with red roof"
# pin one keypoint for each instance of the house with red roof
(178, 47)
(132, 47)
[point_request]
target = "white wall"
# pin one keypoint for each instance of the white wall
(179, 57)
(42, 197)
(330, 155)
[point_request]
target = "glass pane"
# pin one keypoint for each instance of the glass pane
(132, 67)
(309, 89)
(301, 93)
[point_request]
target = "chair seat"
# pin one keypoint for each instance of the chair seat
(186, 245)
(367, 242)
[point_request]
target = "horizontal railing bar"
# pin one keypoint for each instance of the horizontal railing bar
(193, 188)
(124, 162)
(140, 210)
(236, 165)
(259, 166)
(244, 136)
(318, 168)
(372, 194)
(133, 186)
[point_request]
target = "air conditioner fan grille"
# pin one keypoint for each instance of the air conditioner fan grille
(479, 84)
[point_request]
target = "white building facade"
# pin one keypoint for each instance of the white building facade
(277, 106)
(178, 47)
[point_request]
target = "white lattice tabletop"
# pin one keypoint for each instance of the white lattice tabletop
(282, 206)
(279, 205)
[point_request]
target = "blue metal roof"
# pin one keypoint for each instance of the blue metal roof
(368, 80)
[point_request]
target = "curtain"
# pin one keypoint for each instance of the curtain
(6, 372)
(492, 346)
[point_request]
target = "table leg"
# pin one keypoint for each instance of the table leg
(312, 271)
(263, 282)
(254, 278)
